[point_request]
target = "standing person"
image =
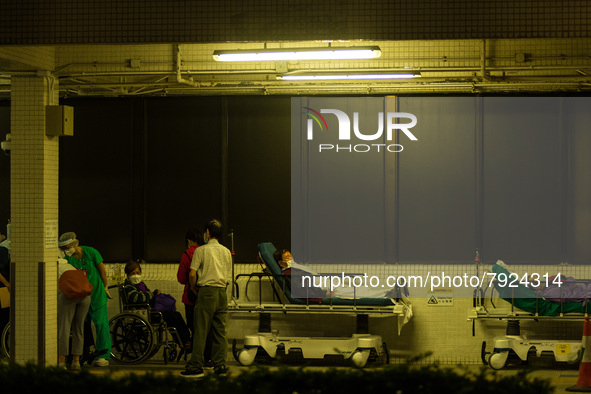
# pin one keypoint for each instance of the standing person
(4, 278)
(193, 239)
(211, 272)
(71, 314)
(89, 259)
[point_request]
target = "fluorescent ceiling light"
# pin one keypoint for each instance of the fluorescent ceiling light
(327, 77)
(327, 53)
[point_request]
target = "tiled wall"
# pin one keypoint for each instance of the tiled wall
(149, 21)
(34, 215)
(445, 331)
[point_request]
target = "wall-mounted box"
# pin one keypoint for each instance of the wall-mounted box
(59, 120)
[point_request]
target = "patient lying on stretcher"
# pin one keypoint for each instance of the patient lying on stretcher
(294, 274)
(563, 296)
(555, 288)
(301, 276)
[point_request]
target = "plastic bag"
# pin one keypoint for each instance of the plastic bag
(164, 303)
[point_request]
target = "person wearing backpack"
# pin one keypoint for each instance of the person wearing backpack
(193, 239)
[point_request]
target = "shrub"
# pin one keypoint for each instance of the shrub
(400, 379)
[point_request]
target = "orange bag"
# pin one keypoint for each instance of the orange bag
(74, 284)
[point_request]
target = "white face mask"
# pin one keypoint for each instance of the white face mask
(70, 251)
(288, 263)
(205, 239)
(135, 279)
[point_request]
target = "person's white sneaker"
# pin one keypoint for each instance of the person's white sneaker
(100, 362)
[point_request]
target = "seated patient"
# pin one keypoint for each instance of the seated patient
(136, 292)
(293, 275)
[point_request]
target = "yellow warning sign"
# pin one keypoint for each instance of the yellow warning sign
(440, 301)
(563, 348)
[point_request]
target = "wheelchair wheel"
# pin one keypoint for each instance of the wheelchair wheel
(5, 341)
(169, 353)
(132, 338)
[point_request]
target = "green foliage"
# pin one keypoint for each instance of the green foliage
(406, 378)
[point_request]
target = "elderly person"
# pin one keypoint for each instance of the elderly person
(90, 260)
(137, 292)
(211, 272)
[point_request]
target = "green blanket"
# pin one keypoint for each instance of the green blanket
(525, 299)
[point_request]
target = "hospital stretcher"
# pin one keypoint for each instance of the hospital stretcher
(526, 304)
(360, 348)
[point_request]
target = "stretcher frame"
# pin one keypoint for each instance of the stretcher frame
(516, 343)
(357, 349)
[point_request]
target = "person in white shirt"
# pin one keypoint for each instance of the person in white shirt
(211, 272)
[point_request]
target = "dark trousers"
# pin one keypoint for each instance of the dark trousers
(211, 310)
(189, 314)
(175, 319)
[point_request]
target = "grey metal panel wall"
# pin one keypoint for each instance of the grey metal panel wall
(577, 118)
(437, 195)
(507, 175)
(523, 208)
(338, 198)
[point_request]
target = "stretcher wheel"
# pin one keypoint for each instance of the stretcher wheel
(247, 356)
(498, 360)
(132, 338)
(386, 353)
(358, 359)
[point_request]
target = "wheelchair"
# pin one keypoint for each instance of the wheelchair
(138, 333)
(88, 356)
(5, 341)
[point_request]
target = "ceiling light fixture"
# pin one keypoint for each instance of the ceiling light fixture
(328, 77)
(286, 54)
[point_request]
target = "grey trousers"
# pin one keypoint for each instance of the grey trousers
(70, 319)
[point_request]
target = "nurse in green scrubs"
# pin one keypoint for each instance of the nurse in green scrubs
(89, 259)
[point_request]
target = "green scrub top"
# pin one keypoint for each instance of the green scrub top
(91, 258)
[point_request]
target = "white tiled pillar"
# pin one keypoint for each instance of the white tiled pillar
(34, 160)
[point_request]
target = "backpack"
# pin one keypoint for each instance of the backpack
(74, 284)
(164, 303)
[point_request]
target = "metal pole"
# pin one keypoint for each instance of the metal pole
(233, 253)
